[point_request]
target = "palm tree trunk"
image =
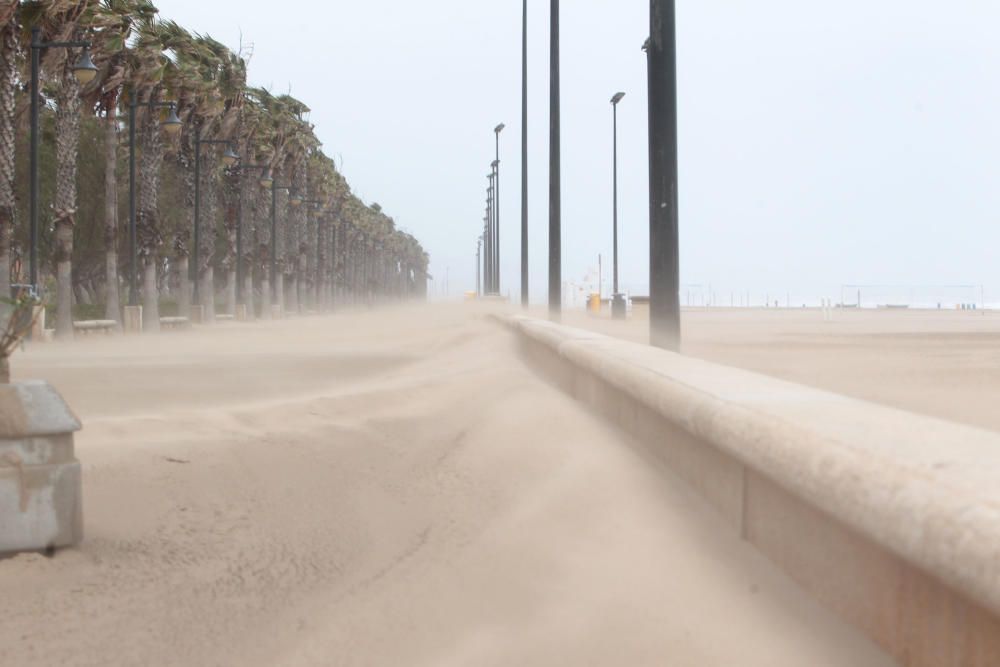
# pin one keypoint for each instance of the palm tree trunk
(231, 292)
(184, 285)
(8, 91)
(148, 218)
(265, 299)
(279, 291)
(112, 300)
(67, 147)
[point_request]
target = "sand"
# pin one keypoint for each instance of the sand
(943, 363)
(380, 488)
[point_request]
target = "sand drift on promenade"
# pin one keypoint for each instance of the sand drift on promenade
(379, 488)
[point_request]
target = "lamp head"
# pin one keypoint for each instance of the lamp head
(85, 70)
(266, 179)
(229, 157)
(172, 125)
(499, 128)
(617, 98)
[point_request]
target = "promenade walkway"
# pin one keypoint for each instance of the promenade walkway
(381, 488)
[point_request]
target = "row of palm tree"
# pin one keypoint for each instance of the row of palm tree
(331, 247)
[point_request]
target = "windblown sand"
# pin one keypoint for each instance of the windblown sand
(384, 488)
(943, 363)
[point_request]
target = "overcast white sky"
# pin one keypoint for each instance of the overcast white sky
(821, 144)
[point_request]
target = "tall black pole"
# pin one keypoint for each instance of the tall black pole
(618, 306)
(614, 196)
(239, 241)
(555, 203)
(524, 154)
(496, 193)
(664, 274)
(479, 247)
(196, 293)
(133, 296)
(274, 241)
(36, 42)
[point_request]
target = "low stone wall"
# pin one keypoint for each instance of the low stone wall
(891, 518)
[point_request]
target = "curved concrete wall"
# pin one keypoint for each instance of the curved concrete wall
(890, 517)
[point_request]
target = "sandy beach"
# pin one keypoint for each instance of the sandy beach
(942, 363)
(380, 488)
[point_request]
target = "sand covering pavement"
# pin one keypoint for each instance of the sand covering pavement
(380, 488)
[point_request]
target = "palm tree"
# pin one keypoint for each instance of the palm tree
(112, 23)
(149, 71)
(9, 52)
(60, 21)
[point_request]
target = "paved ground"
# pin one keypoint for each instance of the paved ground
(383, 489)
(942, 363)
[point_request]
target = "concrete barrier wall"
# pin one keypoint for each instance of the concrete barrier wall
(889, 517)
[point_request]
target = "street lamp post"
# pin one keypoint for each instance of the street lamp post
(229, 158)
(274, 231)
(496, 192)
(524, 154)
(314, 205)
(171, 125)
(491, 221)
(240, 293)
(664, 274)
(85, 71)
(617, 300)
(479, 248)
(555, 195)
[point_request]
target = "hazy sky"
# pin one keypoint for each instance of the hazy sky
(820, 144)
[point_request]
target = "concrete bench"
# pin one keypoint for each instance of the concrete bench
(890, 518)
(174, 323)
(92, 326)
(224, 316)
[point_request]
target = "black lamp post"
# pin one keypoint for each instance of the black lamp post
(229, 158)
(171, 125)
(479, 249)
(496, 192)
(555, 193)
(85, 71)
(495, 241)
(239, 230)
(617, 300)
(489, 234)
(664, 274)
(268, 181)
(314, 205)
(524, 154)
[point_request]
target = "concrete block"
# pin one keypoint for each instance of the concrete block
(40, 486)
(197, 314)
(241, 312)
(132, 319)
(276, 311)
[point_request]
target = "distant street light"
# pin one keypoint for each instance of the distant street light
(496, 210)
(229, 158)
(617, 300)
(171, 126)
(268, 181)
(84, 70)
(239, 230)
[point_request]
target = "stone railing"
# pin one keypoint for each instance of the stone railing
(890, 518)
